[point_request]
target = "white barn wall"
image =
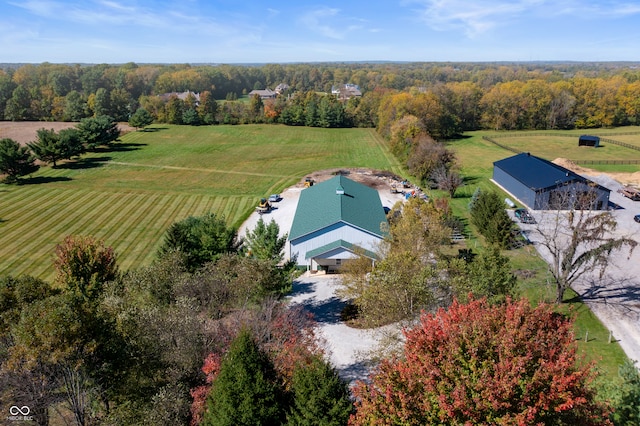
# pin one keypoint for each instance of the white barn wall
(338, 231)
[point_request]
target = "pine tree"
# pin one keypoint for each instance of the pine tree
(246, 391)
(15, 160)
(320, 396)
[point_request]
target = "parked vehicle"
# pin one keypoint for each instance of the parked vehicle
(637, 218)
(524, 216)
(274, 198)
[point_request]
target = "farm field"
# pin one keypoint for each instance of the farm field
(130, 195)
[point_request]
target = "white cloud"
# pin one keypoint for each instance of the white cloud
(472, 17)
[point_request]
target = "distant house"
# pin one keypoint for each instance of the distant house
(589, 140)
(335, 220)
(264, 93)
(282, 87)
(180, 95)
(346, 91)
(540, 184)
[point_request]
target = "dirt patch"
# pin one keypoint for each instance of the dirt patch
(377, 179)
(26, 131)
(623, 178)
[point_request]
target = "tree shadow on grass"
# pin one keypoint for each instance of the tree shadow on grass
(43, 179)
(153, 129)
(85, 163)
(119, 147)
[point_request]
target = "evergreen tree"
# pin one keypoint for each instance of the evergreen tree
(246, 391)
(47, 148)
(140, 119)
(627, 398)
(98, 131)
(202, 239)
(70, 142)
(320, 396)
(264, 242)
(488, 214)
(15, 160)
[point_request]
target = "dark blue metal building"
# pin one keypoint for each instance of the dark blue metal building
(542, 185)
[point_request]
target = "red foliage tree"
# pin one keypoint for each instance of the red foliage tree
(210, 368)
(477, 364)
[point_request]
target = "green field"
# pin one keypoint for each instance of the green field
(130, 195)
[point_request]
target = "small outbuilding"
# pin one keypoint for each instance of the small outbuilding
(589, 140)
(542, 185)
(336, 220)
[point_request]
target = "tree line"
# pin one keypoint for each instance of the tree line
(447, 99)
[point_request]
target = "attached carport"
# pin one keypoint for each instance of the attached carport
(330, 257)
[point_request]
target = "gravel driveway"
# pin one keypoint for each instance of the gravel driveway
(349, 349)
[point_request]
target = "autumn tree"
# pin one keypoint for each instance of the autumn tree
(406, 277)
(478, 364)
(15, 160)
(84, 265)
(447, 179)
(578, 243)
(426, 156)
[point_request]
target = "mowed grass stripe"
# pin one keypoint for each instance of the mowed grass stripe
(19, 215)
(36, 244)
(143, 248)
(141, 223)
(37, 221)
(140, 228)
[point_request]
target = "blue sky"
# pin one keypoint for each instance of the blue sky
(250, 31)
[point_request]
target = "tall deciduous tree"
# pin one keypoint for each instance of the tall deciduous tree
(578, 243)
(406, 278)
(84, 265)
(15, 160)
(484, 365)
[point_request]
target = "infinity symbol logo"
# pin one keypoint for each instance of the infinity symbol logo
(15, 410)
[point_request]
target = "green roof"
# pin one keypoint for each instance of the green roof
(339, 244)
(323, 205)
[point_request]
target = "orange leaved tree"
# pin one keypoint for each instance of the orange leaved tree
(508, 364)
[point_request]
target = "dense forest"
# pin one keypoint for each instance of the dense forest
(442, 99)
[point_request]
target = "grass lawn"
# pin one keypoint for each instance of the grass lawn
(130, 195)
